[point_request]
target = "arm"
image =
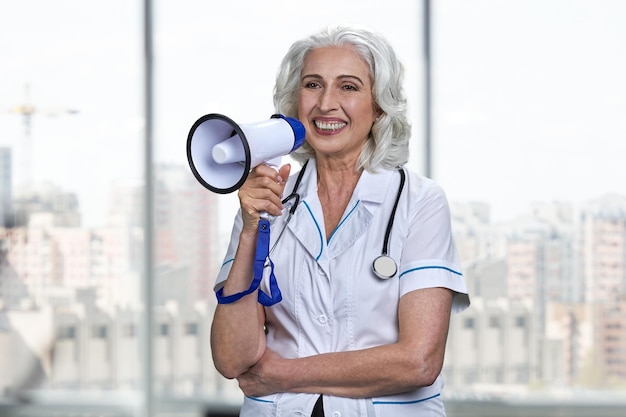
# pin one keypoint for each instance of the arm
(237, 332)
(414, 361)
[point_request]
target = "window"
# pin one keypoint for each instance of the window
(71, 178)
(66, 332)
(528, 110)
(128, 330)
(164, 330)
(527, 128)
(191, 329)
(99, 332)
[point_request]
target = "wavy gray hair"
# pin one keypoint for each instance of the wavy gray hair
(390, 133)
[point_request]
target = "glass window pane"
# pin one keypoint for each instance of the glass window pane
(224, 60)
(71, 186)
(529, 135)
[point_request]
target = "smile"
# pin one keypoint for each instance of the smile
(331, 126)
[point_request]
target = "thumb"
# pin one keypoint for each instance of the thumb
(284, 171)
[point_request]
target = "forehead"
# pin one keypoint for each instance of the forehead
(335, 61)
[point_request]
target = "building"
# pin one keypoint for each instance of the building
(603, 248)
(6, 190)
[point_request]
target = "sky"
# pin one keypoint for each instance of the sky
(529, 100)
(546, 118)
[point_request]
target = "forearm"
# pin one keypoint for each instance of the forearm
(383, 370)
(388, 369)
(237, 338)
(414, 361)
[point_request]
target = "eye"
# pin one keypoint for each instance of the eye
(349, 87)
(311, 84)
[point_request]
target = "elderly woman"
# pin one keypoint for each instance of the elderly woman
(344, 340)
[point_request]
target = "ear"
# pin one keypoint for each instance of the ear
(379, 112)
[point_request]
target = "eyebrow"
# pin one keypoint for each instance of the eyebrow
(344, 76)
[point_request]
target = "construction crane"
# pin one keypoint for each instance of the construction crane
(28, 111)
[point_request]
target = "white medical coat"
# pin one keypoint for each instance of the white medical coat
(333, 302)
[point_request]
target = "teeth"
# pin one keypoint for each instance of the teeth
(329, 126)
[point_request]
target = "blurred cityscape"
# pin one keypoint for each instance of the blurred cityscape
(548, 293)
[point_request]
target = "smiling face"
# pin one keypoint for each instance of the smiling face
(335, 102)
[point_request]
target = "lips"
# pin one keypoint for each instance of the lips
(329, 126)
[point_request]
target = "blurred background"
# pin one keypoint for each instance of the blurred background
(109, 246)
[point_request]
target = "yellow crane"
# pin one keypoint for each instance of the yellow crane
(27, 110)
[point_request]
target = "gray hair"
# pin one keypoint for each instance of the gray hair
(389, 144)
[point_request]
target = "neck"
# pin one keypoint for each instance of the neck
(337, 175)
(337, 180)
(335, 185)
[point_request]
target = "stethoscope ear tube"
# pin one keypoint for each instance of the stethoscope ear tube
(384, 266)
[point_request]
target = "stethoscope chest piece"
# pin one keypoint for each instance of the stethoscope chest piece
(384, 267)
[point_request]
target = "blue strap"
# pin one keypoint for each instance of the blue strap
(262, 253)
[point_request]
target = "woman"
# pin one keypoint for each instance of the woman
(342, 342)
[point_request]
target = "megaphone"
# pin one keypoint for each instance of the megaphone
(221, 153)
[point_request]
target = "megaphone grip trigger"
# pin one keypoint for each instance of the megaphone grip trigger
(268, 217)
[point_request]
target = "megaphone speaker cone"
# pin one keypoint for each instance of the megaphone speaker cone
(221, 153)
(207, 132)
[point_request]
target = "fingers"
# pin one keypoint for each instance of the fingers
(262, 192)
(259, 380)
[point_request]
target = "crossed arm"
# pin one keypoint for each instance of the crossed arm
(414, 361)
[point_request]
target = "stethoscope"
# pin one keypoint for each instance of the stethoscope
(384, 266)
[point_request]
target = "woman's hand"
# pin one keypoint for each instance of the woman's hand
(258, 380)
(262, 192)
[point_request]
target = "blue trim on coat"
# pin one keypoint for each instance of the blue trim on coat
(431, 267)
(343, 220)
(259, 400)
(406, 402)
(319, 230)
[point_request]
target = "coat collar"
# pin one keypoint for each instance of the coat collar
(308, 225)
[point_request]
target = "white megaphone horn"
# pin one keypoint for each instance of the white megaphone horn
(221, 153)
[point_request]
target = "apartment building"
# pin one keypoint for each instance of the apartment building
(528, 324)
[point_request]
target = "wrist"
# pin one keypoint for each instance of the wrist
(248, 237)
(284, 375)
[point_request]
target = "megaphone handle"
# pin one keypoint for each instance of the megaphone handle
(267, 216)
(273, 163)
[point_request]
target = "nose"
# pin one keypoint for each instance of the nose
(328, 100)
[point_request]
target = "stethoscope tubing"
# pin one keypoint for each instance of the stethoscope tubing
(393, 212)
(383, 266)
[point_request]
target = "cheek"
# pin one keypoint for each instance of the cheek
(304, 104)
(365, 112)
